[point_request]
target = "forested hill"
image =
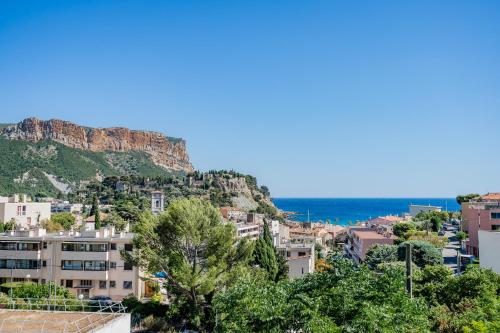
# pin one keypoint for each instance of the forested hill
(48, 167)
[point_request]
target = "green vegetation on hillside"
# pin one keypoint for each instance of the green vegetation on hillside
(24, 166)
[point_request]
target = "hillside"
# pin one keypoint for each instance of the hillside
(59, 158)
(48, 167)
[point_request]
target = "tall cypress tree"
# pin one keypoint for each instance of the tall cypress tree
(265, 253)
(95, 211)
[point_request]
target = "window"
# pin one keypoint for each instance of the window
(127, 284)
(97, 247)
(20, 264)
(113, 246)
(28, 246)
(84, 247)
(10, 246)
(301, 254)
(62, 282)
(95, 265)
(87, 265)
(495, 227)
(72, 265)
(44, 263)
(44, 281)
(112, 264)
(21, 211)
(44, 245)
(287, 253)
(127, 266)
(86, 283)
(495, 215)
(102, 284)
(69, 283)
(128, 247)
(112, 284)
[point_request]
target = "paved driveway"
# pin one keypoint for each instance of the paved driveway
(450, 251)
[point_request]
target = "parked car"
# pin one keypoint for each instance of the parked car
(98, 302)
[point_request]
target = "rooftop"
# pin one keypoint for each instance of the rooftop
(371, 234)
(491, 196)
(389, 219)
(50, 321)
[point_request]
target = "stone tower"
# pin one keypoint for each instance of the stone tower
(157, 202)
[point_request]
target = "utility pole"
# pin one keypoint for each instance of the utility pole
(409, 286)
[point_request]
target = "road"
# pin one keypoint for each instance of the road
(450, 251)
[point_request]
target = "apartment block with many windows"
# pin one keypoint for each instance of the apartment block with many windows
(482, 213)
(87, 263)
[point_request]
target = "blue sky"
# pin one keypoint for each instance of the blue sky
(315, 98)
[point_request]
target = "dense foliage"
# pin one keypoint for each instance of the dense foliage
(347, 298)
(423, 253)
(381, 253)
(65, 220)
(30, 163)
(467, 197)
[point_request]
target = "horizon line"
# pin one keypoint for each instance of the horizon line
(292, 197)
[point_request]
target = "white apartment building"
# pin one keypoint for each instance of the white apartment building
(300, 258)
(24, 213)
(489, 247)
(87, 263)
(248, 230)
(415, 209)
(66, 207)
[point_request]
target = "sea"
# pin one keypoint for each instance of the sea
(343, 211)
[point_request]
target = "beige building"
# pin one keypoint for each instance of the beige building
(23, 212)
(87, 263)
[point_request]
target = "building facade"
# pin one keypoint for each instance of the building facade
(489, 247)
(415, 209)
(361, 239)
(87, 263)
(25, 213)
(300, 257)
(480, 214)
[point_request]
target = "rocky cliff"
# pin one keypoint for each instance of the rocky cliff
(169, 153)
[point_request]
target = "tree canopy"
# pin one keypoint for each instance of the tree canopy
(65, 220)
(381, 253)
(423, 253)
(196, 251)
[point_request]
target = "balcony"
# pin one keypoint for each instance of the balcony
(75, 255)
(84, 275)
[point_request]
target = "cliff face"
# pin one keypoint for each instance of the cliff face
(166, 152)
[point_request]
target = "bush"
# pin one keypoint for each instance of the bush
(381, 253)
(400, 229)
(65, 219)
(461, 236)
(423, 253)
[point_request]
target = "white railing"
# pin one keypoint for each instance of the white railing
(96, 312)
